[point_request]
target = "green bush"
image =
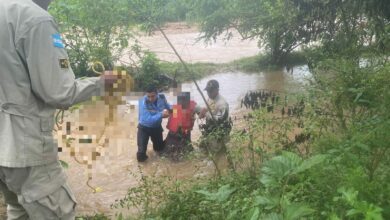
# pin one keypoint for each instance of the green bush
(341, 172)
(94, 30)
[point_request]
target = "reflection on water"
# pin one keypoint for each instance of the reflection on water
(110, 171)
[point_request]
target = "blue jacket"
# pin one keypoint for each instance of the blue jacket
(150, 114)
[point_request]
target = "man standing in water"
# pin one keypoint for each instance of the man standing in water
(218, 125)
(35, 80)
(153, 107)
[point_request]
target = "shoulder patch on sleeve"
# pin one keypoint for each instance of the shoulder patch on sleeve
(64, 63)
(57, 41)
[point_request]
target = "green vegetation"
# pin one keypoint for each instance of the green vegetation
(339, 170)
(100, 30)
(281, 26)
(95, 217)
(248, 64)
(263, 62)
(93, 31)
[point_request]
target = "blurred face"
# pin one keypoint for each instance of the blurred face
(212, 93)
(152, 96)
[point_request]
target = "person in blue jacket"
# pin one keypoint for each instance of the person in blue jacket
(153, 107)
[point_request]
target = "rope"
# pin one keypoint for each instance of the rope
(97, 63)
(59, 118)
(187, 69)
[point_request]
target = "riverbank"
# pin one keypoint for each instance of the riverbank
(205, 58)
(253, 64)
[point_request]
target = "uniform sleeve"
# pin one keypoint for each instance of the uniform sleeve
(52, 78)
(147, 115)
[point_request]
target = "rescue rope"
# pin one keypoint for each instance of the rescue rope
(59, 120)
(94, 189)
(98, 63)
(187, 69)
(197, 87)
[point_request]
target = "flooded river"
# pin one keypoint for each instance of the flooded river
(234, 85)
(186, 41)
(111, 171)
(110, 165)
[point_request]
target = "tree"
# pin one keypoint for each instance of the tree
(277, 24)
(283, 25)
(94, 30)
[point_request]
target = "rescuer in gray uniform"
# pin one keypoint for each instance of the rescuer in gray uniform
(218, 105)
(35, 80)
(216, 130)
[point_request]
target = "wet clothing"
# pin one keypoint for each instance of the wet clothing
(177, 145)
(150, 114)
(143, 135)
(35, 80)
(150, 118)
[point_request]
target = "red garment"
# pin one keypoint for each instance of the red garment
(182, 119)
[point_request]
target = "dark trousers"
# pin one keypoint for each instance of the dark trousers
(143, 135)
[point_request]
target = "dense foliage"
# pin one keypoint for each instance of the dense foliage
(339, 170)
(106, 31)
(282, 26)
(93, 31)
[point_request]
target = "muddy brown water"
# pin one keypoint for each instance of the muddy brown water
(111, 171)
(186, 41)
(234, 85)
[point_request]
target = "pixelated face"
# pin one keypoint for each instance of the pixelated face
(152, 96)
